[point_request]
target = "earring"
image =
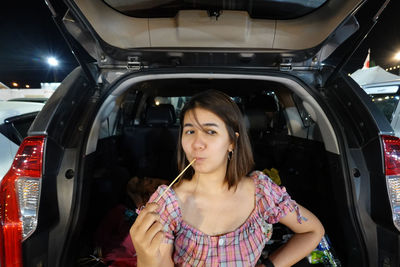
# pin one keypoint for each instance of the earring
(230, 154)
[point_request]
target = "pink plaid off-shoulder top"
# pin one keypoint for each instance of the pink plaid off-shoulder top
(241, 247)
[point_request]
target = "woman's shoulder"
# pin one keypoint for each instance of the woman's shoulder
(259, 178)
(247, 183)
(164, 196)
(265, 186)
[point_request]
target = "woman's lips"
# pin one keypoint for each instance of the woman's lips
(199, 159)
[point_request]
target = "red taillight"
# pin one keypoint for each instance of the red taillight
(392, 154)
(14, 194)
(391, 146)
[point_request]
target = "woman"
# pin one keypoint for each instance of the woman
(217, 215)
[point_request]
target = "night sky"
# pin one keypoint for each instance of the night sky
(29, 36)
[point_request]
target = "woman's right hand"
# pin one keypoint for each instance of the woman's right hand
(147, 235)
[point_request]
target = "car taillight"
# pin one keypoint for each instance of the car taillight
(19, 199)
(392, 171)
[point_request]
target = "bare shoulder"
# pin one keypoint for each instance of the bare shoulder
(247, 185)
(184, 188)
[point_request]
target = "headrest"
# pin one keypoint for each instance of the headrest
(259, 111)
(265, 103)
(163, 114)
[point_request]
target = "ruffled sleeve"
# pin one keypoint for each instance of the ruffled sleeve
(273, 201)
(169, 212)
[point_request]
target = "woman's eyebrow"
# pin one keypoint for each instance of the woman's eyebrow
(208, 124)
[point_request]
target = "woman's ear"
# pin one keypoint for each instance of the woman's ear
(232, 146)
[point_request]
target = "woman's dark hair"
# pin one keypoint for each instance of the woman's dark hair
(219, 103)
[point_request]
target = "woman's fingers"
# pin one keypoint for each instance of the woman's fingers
(148, 220)
(156, 242)
(146, 226)
(146, 234)
(154, 229)
(150, 207)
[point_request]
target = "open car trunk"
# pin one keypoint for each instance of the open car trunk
(131, 149)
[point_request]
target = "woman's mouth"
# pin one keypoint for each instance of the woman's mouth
(199, 159)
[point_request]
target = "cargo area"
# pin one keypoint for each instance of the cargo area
(134, 139)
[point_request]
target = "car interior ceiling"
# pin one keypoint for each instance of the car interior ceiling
(139, 140)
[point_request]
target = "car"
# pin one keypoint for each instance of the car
(116, 118)
(386, 96)
(30, 99)
(15, 120)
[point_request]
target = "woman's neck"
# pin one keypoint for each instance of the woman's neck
(212, 183)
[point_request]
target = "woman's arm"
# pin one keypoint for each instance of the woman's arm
(306, 238)
(147, 236)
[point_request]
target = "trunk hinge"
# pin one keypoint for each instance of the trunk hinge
(134, 63)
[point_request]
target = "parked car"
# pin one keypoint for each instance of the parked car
(386, 97)
(30, 99)
(15, 120)
(117, 116)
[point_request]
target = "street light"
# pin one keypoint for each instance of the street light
(397, 58)
(53, 63)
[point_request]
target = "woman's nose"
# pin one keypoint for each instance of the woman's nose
(198, 142)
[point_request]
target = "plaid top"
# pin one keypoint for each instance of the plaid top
(241, 247)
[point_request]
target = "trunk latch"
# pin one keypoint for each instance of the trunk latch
(134, 63)
(285, 66)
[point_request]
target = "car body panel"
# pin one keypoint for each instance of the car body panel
(12, 109)
(8, 150)
(386, 96)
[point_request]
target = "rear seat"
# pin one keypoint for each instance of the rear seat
(261, 116)
(151, 146)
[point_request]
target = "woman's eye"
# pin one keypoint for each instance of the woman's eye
(212, 132)
(189, 132)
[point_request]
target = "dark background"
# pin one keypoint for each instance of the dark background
(29, 36)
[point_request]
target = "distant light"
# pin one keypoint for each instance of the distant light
(157, 103)
(27, 86)
(14, 84)
(52, 61)
(397, 56)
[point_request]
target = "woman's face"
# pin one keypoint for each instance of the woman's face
(209, 145)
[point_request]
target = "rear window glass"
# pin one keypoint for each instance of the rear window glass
(387, 104)
(17, 129)
(258, 9)
(22, 126)
(177, 101)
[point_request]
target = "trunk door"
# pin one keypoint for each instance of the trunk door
(287, 35)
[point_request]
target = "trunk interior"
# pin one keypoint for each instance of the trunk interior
(132, 149)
